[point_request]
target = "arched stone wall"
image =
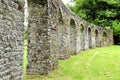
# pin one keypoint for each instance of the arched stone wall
(51, 33)
(73, 36)
(82, 36)
(63, 36)
(55, 33)
(60, 34)
(104, 38)
(86, 36)
(96, 38)
(89, 38)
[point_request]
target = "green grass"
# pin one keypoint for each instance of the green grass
(25, 55)
(96, 64)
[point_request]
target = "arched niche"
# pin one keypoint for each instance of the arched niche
(89, 38)
(60, 18)
(96, 38)
(82, 36)
(82, 28)
(72, 23)
(104, 38)
(40, 2)
(72, 35)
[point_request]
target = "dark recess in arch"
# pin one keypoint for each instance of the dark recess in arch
(73, 35)
(82, 37)
(104, 39)
(96, 38)
(82, 28)
(104, 34)
(89, 37)
(60, 18)
(41, 2)
(72, 23)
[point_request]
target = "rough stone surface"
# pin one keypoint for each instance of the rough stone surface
(41, 57)
(57, 33)
(54, 33)
(11, 39)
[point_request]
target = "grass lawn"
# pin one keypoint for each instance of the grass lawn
(96, 64)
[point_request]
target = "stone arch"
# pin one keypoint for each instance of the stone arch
(42, 37)
(73, 35)
(104, 38)
(89, 38)
(96, 38)
(61, 31)
(40, 2)
(60, 17)
(82, 35)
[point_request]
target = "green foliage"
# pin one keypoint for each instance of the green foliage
(103, 13)
(97, 64)
(116, 29)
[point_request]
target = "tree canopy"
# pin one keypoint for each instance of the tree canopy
(104, 13)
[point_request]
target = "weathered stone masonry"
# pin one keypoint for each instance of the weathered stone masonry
(54, 33)
(57, 33)
(11, 39)
(41, 57)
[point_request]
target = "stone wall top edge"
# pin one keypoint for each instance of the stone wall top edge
(76, 17)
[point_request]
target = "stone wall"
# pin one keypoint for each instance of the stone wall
(57, 33)
(40, 59)
(54, 33)
(11, 39)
